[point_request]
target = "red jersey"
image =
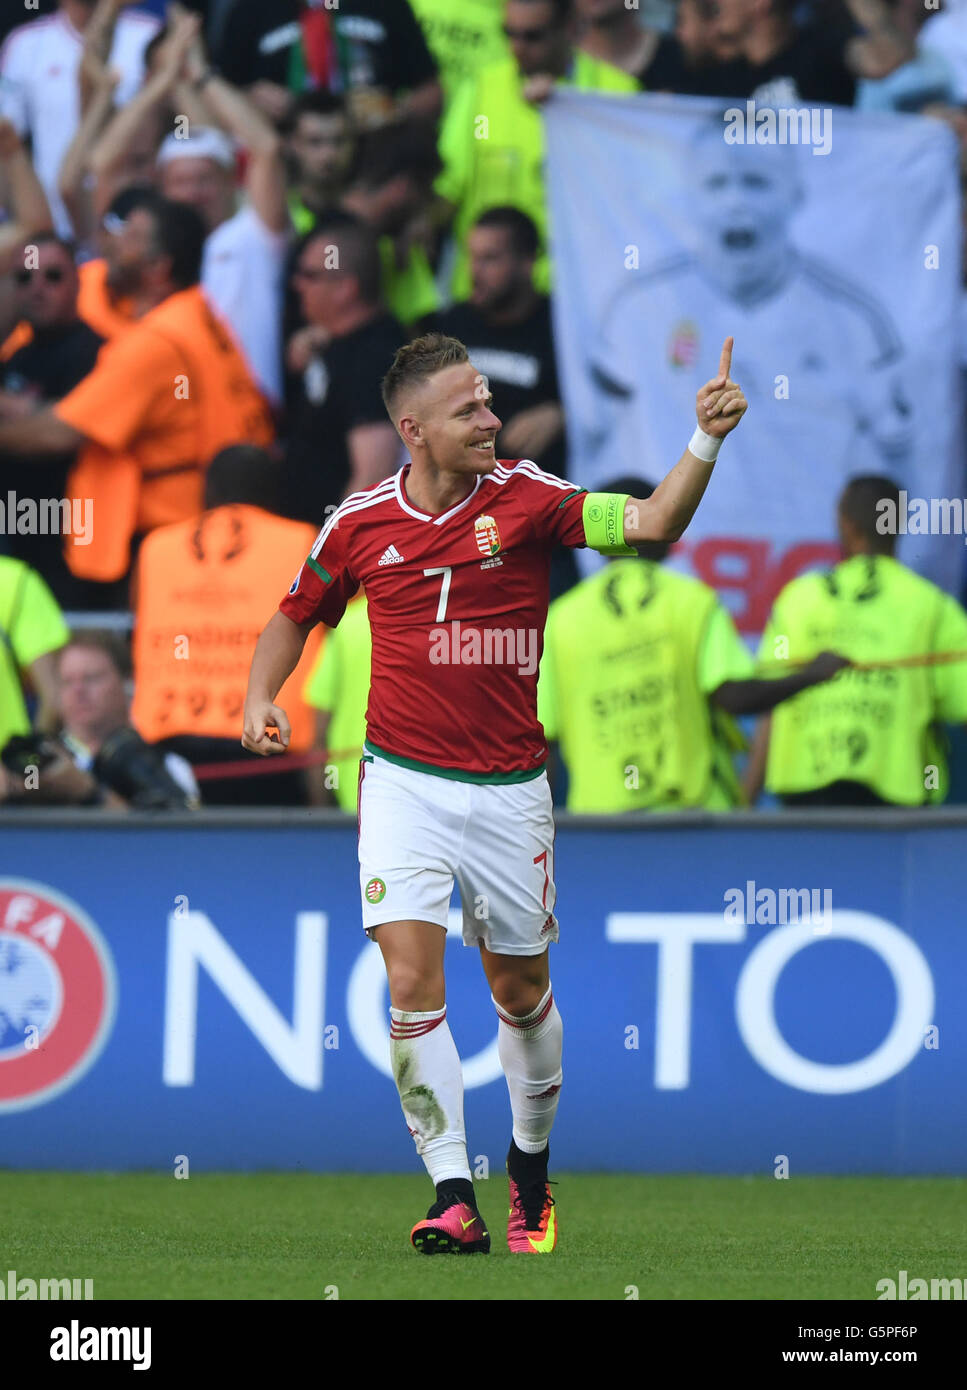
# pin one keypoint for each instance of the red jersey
(457, 608)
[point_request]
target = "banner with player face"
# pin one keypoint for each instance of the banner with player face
(827, 242)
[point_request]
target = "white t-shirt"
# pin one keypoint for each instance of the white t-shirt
(946, 34)
(241, 275)
(39, 90)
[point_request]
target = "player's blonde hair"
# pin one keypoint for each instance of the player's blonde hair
(416, 362)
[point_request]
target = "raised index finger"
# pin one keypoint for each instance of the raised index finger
(725, 361)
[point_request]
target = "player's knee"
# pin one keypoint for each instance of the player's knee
(520, 994)
(415, 989)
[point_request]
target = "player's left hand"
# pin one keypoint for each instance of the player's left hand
(720, 404)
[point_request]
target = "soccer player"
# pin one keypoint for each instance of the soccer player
(454, 553)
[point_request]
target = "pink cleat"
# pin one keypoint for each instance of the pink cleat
(532, 1219)
(451, 1228)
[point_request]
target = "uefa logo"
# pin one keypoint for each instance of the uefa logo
(58, 994)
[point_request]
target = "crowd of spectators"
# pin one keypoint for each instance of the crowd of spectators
(217, 224)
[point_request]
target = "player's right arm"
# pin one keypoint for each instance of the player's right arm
(277, 654)
(319, 593)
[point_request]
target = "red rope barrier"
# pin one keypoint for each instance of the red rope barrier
(294, 762)
(274, 762)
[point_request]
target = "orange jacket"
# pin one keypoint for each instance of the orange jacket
(205, 590)
(108, 317)
(164, 397)
(19, 337)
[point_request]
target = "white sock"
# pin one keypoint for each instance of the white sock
(530, 1054)
(426, 1066)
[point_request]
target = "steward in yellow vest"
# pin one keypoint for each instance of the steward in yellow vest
(463, 38)
(642, 674)
(338, 689)
(873, 736)
(32, 629)
(492, 135)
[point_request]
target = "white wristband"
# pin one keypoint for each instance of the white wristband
(704, 446)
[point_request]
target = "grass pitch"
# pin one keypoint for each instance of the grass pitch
(298, 1236)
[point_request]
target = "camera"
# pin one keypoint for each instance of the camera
(24, 751)
(125, 765)
(136, 771)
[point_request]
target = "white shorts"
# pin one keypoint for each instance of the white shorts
(418, 832)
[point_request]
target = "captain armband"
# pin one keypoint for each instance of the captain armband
(604, 527)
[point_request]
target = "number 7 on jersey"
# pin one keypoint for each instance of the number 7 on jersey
(446, 571)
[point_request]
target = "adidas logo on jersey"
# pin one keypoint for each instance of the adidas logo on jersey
(391, 556)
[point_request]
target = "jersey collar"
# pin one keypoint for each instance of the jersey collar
(425, 516)
(74, 33)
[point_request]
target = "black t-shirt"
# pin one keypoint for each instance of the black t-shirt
(669, 71)
(517, 360)
(811, 68)
(379, 43)
(46, 368)
(52, 363)
(339, 390)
